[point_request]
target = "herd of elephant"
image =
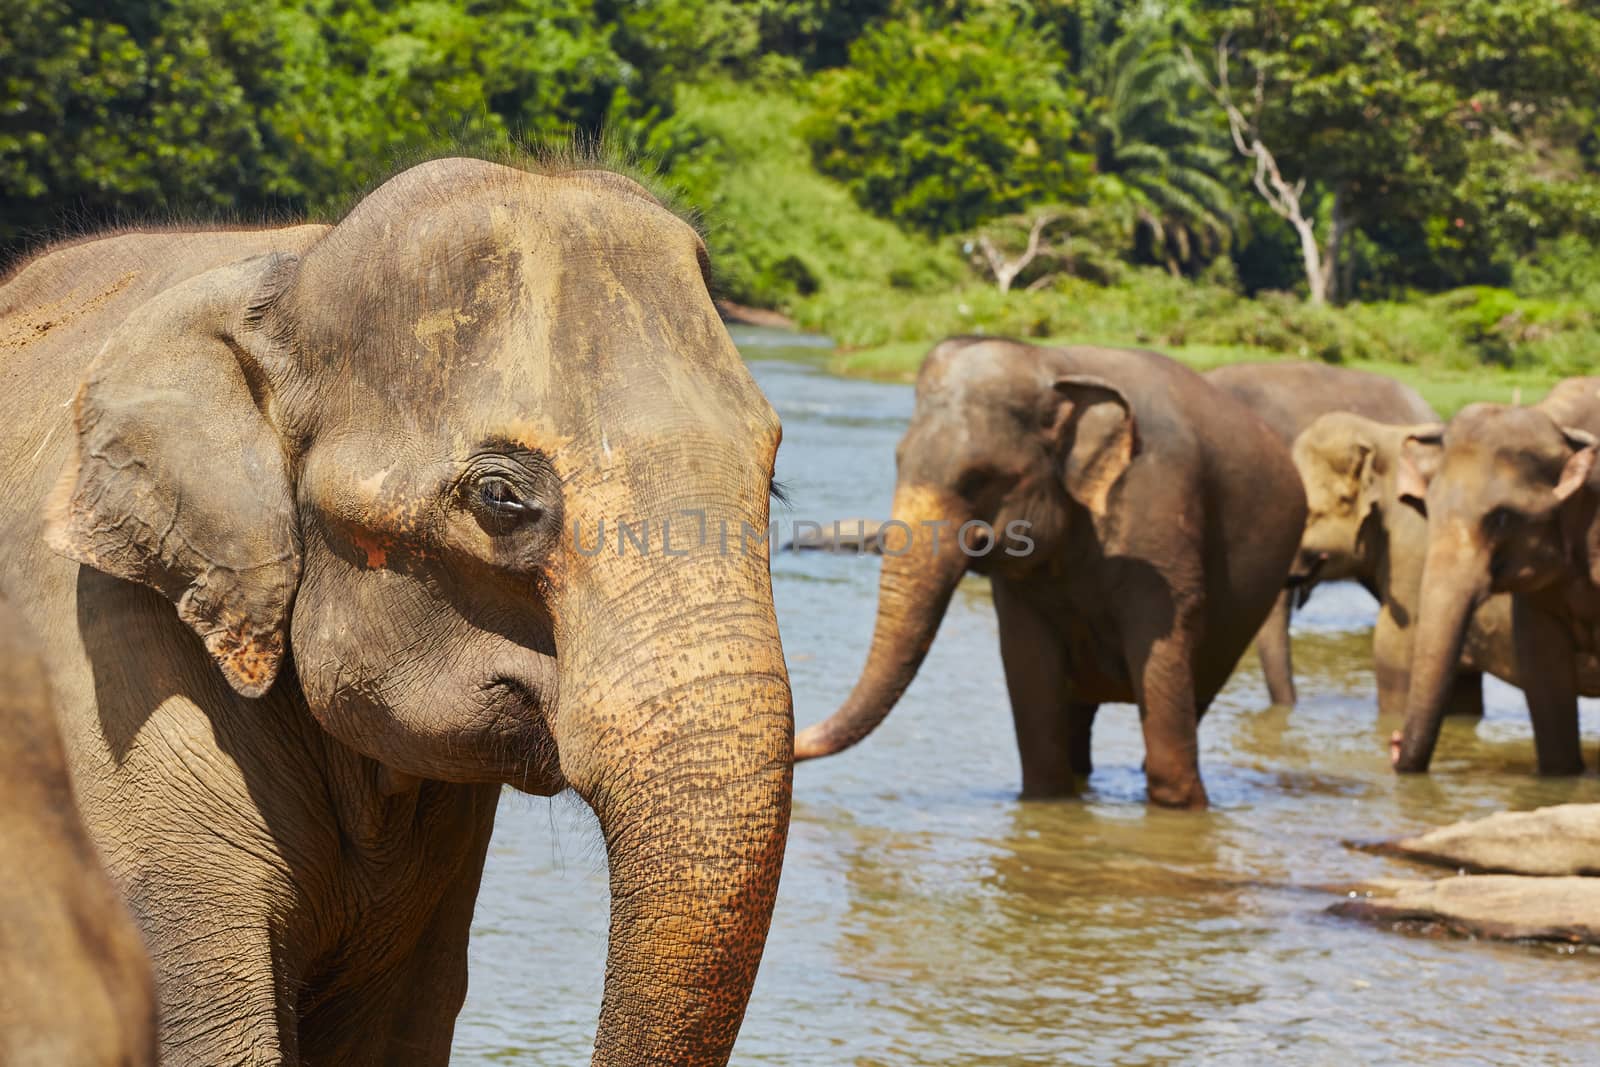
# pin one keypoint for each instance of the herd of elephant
(292, 597)
(1173, 512)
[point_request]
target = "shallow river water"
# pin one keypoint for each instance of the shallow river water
(928, 917)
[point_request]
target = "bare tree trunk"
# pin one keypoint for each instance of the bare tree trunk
(1005, 272)
(1281, 196)
(1337, 226)
(1311, 257)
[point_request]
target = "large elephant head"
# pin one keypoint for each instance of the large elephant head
(399, 460)
(1510, 507)
(1348, 464)
(1006, 450)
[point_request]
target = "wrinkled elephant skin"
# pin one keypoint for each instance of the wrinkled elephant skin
(297, 516)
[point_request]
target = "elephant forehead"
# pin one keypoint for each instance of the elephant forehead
(584, 314)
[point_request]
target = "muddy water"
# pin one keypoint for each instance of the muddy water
(927, 917)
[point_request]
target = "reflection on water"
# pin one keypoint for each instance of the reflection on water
(926, 917)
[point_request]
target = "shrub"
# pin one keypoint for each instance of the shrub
(942, 129)
(782, 235)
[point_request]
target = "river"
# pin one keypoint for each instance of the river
(928, 917)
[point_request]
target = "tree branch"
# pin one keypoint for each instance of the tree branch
(1283, 198)
(1005, 272)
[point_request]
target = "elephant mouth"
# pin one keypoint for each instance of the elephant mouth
(518, 713)
(1306, 570)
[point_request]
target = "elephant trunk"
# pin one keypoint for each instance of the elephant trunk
(1455, 583)
(914, 590)
(679, 735)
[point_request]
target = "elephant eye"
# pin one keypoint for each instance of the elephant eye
(499, 503)
(1500, 520)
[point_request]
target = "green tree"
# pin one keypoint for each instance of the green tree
(102, 119)
(186, 107)
(1384, 110)
(1155, 136)
(944, 128)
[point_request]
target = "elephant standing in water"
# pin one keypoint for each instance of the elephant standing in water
(1289, 395)
(75, 981)
(1512, 500)
(355, 460)
(1162, 517)
(1359, 527)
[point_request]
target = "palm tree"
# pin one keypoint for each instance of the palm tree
(1152, 134)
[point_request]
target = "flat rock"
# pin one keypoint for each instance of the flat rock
(1502, 907)
(1560, 840)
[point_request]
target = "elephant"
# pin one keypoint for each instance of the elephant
(1150, 521)
(1511, 498)
(1289, 395)
(303, 519)
(75, 981)
(1360, 528)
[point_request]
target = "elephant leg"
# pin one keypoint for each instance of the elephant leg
(1466, 695)
(1272, 645)
(1164, 685)
(1080, 727)
(1047, 731)
(400, 1005)
(1547, 665)
(1391, 663)
(407, 1013)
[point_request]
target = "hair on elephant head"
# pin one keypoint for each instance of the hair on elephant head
(374, 458)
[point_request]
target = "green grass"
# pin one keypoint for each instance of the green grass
(1453, 348)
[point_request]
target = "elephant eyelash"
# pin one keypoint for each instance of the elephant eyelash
(780, 492)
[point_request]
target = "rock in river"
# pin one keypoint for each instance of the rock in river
(1505, 907)
(1532, 881)
(1564, 839)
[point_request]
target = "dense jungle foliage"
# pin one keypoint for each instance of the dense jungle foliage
(874, 167)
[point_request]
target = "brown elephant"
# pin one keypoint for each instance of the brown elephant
(75, 981)
(1511, 498)
(1359, 528)
(371, 467)
(1139, 524)
(1289, 395)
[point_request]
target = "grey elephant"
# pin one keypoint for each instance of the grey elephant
(1136, 525)
(311, 522)
(75, 980)
(1360, 528)
(1512, 499)
(1289, 395)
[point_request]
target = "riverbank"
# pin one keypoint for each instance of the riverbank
(1446, 389)
(785, 238)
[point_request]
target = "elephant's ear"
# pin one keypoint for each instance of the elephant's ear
(1420, 453)
(179, 481)
(1580, 511)
(1575, 473)
(1100, 435)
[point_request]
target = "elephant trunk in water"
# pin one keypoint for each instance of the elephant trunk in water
(913, 592)
(675, 724)
(1455, 583)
